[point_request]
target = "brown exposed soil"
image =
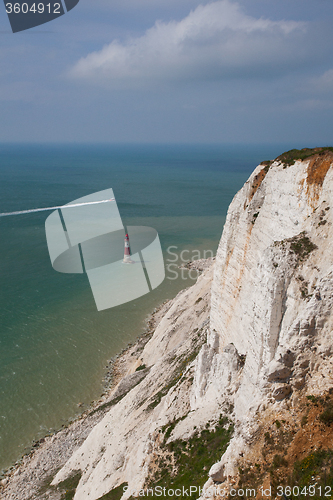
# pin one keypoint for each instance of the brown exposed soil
(316, 173)
(313, 434)
(257, 181)
(284, 440)
(318, 167)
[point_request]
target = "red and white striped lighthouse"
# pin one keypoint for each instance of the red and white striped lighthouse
(127, 251)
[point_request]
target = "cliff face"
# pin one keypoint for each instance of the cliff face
(272, 292)
(248, 342)
(271, 288)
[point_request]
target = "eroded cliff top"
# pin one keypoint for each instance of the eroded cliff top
(290, 157)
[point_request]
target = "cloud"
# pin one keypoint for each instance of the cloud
(213, 41)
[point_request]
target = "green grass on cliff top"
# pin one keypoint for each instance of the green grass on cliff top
(289, 157)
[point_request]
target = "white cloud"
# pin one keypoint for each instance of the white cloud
(214, 41)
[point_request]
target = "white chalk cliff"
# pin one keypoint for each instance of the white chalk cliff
(270, 323)
(272, 291)
(255, 331)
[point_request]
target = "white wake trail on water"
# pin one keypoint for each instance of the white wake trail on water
(45, 209)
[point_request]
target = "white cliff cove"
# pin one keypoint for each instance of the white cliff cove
(247, 342)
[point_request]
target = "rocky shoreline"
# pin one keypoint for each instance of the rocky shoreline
(30, 476)
(49, 454)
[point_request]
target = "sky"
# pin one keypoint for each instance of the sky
(171, 71)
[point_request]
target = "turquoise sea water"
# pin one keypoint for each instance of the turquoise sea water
(54, 345)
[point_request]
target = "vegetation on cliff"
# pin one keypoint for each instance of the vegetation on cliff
(290, 157)
(186, 463)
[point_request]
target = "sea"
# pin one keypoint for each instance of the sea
(54, 344)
